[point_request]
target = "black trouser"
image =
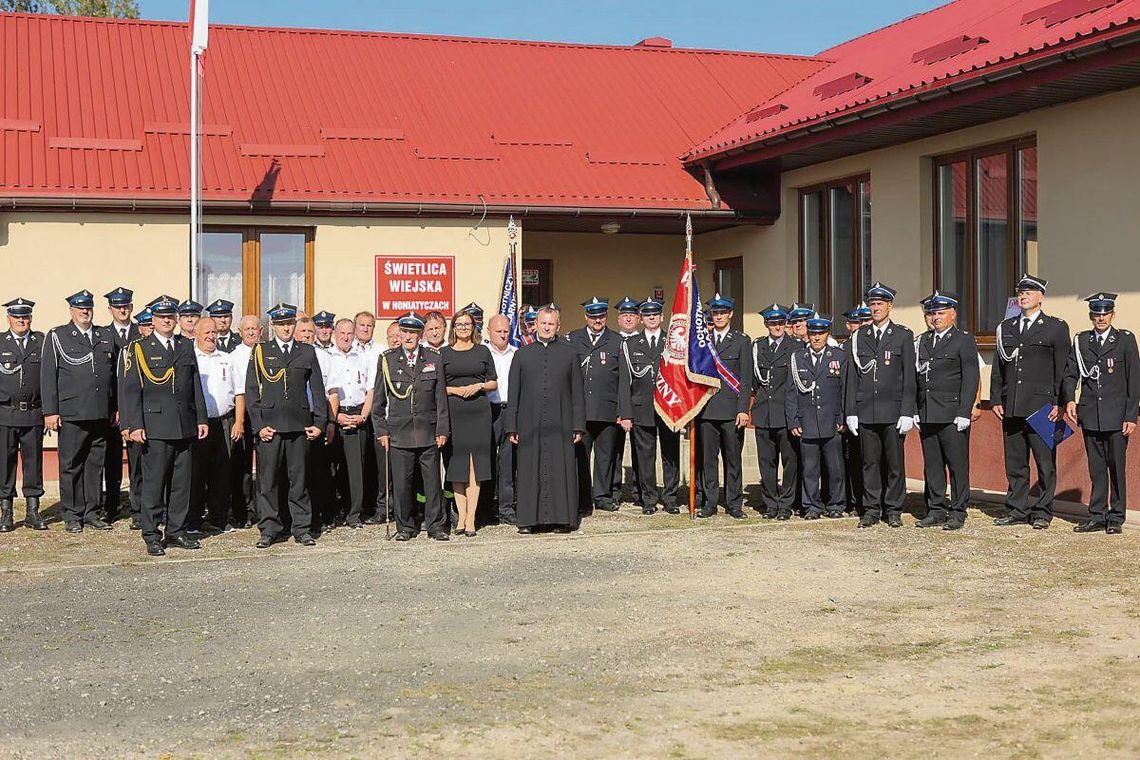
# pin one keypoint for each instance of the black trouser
(112, 471)
(645, 440)
(721, 438)
(211, 495)
(82, 451)
(504, 461)
(773, 447)
(599, 440)
(404, 463)
(290, 450)
(1107, 452)
(884, 478)
(853, 469)
(243, 489)
(618, 460)
(166, 462)
(320, 483)
(353, 448)
(134, 470)
(1020, 439)
(27, 442)
(827, 452)
(944, 447)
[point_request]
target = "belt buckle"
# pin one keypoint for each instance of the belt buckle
(23, 406)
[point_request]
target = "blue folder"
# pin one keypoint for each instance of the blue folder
(1053, 433)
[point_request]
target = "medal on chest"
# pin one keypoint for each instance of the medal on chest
(1109, 362)
(887, 358)
(603, 358)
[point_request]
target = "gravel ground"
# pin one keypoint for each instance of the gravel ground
(636, 637)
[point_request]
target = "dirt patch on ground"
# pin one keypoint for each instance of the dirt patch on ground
(636, 637)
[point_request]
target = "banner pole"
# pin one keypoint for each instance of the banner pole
(692, 471)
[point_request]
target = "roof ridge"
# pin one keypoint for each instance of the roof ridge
(54, 18)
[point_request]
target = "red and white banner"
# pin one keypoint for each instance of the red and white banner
(414, 283)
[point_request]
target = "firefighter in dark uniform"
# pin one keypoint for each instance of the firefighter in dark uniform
(880, 406)
(642, 354)
(21, 415)
(947, 376)
(629, 318)
(1031, 351)
(223, 313)
(161, 400)
(119, 305)
(770, 358)
(283, 375)
(813, 407)
(189, 312)
(599, 349)
(77, 383)
(144, 323)
(854, 318)
(409, 416)
(722, 421)
(1105, 362)
(798, 316)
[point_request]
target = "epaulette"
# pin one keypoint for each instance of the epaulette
(387, 351)
(1124, 332)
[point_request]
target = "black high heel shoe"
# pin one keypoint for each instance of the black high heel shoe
(469, 533)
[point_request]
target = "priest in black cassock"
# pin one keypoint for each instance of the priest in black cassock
(545, 417)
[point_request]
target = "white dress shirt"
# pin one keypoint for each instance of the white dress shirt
(503, 361)
(353, 375)
(239, 358)
(219, 382)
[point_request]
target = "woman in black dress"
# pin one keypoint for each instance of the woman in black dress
(469, 372)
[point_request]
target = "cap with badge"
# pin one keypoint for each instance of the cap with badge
(880, 292)
(220, 308)
(163, 306)
(474, 309)
(1032, 282)
(721, 303)
(411, 321)
(650, 306)
(145, 317)
(800, 311)
(627, 306)
(775, 314)
(190, 308)
(282, 312)
(819, 323)
(939, 301)
(530, 315)
(324, 319)
(120, 296)
(596, 307)
(1099, 303)
(858, 313)
(81, 300)
(19, 307)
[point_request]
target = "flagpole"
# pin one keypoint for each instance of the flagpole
(194, 172)
(692, 424)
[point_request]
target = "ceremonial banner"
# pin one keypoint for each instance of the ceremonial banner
(690, 372)
(508, 302)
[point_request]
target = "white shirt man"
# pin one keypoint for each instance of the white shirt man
(352, 374)
(502, 370)
(220, 381)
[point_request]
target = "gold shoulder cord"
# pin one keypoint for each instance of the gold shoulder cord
(261, 372)
(387, 372)
(145, 370)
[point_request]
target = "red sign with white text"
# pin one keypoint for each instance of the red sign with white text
(414, 283)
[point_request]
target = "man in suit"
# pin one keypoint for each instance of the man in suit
(628, 320)
(770, 358)
(222, 312)
(409, 418)
(21, 416)
(642, 354)
(880, 406)
(1105, 362)
(283, 375)
(599, 349)
(163, 408)
(725, 415)
(144, 323)
(1032, 349)
(947, 377)
(813, 407)
(77, 383)
(854, 318)
(120, 302)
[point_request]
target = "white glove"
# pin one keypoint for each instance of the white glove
(904, 425)
(961, 423)
(853, 425)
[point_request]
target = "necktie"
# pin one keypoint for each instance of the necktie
(878, 334)
(123, 333)
(653, 344)
(815, 359)
(934, 345)
(285, 351)
(1100, 340)
(1024, 324)
(719, 340)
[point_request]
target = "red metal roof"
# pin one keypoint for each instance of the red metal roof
(953, 43)
(98, 108)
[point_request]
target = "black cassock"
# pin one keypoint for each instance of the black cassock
(546, 406)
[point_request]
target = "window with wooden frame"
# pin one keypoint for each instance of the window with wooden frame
(835, 244)
(257, 267)
(985, 228)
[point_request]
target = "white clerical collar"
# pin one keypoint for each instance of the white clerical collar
(545, 342)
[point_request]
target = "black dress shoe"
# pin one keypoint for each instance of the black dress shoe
(439, 535)
(182, 542)
(403, 535)
(673, 510)
(305, 539)
(868, 521)
(96, 524)
(1089, 527)
(649, 510)
(1114, 530)
(265, 541)
(74, 527)
(735, 514)
(155, 549)
(507, 520)
(706, 512)
(834, 514)
(894, 521)
(930, 521)
(952, 525)
(812, 516)
(607, 507)
(783, 517)
(1040, 524)
(136, 524)
(768, 515)
(355, 525)
(563, 529)
(1005, 522)
(526, 530)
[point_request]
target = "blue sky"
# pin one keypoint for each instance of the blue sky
(776, 26)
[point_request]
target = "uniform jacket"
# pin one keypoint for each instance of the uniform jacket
(1033, 377)
(735, 353)
(79, 390)
(819, 411)
(886, 392)
(233, 340)
(284, 405)
(20, 381)
(947, 377)
(602, 373)
(1111, 394)
(167, 411)
(641, 364)
(132, 335)
(415, 421)
(770, 380)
